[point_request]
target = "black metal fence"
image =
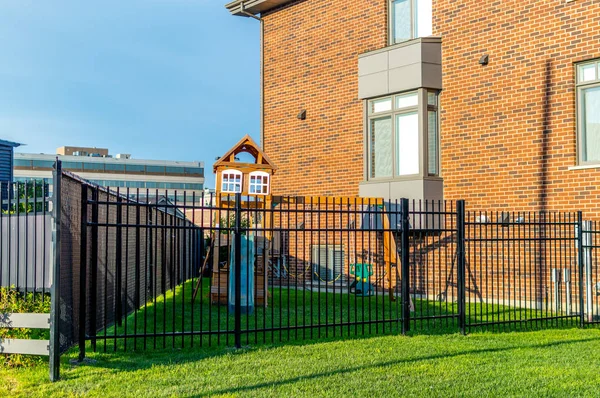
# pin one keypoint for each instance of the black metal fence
(25, 237)
(139, 271)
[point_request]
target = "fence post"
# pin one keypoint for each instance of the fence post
(238, 270)
(83, 272)
(94, 266)
(55, 289)
(586, 247)
(119, 264)
(405, 258)
(580, 261)
(460, 260)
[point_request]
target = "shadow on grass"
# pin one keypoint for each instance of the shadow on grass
(129, 362)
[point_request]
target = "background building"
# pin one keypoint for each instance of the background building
(497, 103)
(6, 160)
(152, 177)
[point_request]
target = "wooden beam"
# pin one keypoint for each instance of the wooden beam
(25, 320)
(327, 200)
(390, 251)
(24, 346)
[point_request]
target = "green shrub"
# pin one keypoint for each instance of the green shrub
(12, 301)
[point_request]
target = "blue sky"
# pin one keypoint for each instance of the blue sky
(160, 79)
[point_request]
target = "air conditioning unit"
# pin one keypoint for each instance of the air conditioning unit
(123, 156)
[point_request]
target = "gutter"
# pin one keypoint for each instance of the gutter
(262, 70)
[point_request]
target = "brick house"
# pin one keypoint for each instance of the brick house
(496, 102)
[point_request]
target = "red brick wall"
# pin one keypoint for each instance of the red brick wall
(311, 62)
(508, 129)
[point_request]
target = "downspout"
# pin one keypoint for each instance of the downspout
(262, 69)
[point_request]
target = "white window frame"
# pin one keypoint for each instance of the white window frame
(581, 87)
(422, 108)
(225, 184)
(261, 184)
(414, 34)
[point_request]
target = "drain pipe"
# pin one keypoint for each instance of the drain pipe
(262, 70)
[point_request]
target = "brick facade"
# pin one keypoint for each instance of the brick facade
(311, 53)
(508, 129)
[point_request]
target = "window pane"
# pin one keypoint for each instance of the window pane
(138, 168)
(43, 164)
(155, 169)
(22, 163)
(423, 18)
(407, 100)
(114, 167)
(432, 98)
(587, 72)
(432, 142)
(175, 170)
(382, 105)
(591, 124)
(401, 16)
(71, 165)
(407, 131)
(381, 147)
(93, 166)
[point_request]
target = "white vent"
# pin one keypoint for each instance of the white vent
(123, 156)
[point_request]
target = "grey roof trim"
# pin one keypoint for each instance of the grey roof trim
(429, 39)
(253, 6)
(10, 143)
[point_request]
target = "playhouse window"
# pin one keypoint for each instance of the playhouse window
(259, 183)
(231, 181)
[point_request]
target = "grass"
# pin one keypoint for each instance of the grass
(302, 314)
(541, 363)
(558, 362)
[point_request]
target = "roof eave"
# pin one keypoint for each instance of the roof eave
(253, 6)
(10, 143)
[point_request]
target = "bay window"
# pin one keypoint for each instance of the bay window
(395, 128)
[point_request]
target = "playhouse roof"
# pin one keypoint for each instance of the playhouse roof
(247, 145)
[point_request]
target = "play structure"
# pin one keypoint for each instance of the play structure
(361, 286)
(235, 174)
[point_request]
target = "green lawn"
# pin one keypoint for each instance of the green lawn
(541, 363)
(303, 314)
(433, 361)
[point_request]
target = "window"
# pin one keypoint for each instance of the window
(43, 164)
(410, 19)
(93, 166)
(114, 167)
(72, 165)
(588, 112)
(155, 169)
(22, 163)
(231, 181)
(259, 183)
(393, 137)
(135, 168)
(327, 262)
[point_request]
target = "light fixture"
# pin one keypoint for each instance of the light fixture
(302, 114)
(484, 60)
